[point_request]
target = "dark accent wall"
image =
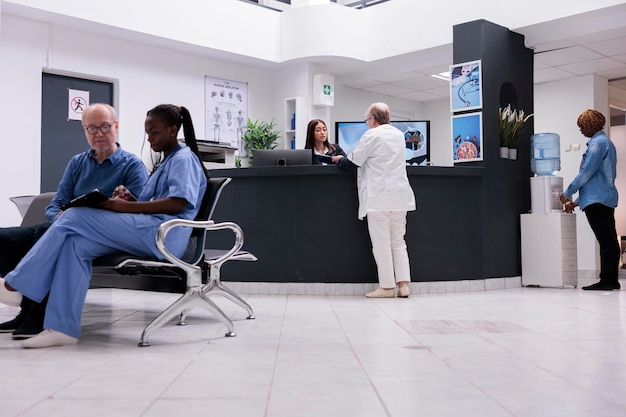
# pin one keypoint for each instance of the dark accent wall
(507, 77)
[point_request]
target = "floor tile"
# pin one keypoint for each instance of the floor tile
(509, 352)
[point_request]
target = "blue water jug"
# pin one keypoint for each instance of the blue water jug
(545, 154)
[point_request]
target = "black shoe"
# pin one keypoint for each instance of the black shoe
(29, 329)
(617, 286)
(33, 324)
(600, 286)
(12, 325)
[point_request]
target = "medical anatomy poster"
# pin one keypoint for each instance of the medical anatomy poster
(465, 86)
(226, 112)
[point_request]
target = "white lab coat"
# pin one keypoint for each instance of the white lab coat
(382, 181)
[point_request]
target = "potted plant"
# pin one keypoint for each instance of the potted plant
(259, 134)
(512, 124)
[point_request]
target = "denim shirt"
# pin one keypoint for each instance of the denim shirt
(595, 181)
(84, 173)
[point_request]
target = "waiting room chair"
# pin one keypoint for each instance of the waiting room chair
(36, 211)
(190, 266)
(22, 202)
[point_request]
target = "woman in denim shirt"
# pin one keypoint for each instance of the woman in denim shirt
(597, 196)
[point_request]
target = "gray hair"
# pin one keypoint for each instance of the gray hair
(380, 112)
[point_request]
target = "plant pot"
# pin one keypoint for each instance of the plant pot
(504, 152)
(513, 153)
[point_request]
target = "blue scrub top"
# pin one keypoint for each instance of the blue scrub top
(179, 175)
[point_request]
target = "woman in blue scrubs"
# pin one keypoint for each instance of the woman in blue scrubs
(60, 262)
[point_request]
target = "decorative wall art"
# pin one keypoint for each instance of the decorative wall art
(467, 140)
(465, 86)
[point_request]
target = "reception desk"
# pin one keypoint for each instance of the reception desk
(301, 223)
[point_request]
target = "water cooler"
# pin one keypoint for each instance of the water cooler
(545, 161)
(544, 194)
(548, 234)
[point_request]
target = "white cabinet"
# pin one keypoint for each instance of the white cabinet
(296, 119)
(549, 249)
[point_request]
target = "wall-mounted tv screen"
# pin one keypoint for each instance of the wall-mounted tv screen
(416, 138)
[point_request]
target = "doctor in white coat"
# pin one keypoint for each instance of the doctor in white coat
(385, 196)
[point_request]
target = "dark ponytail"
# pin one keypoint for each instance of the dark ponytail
(179, 116)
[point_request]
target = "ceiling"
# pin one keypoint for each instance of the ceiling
(589, 43)
(564, 48)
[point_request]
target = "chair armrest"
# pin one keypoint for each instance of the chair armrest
(208, 225)
(234, 227)
(166, 227)
(215, 255)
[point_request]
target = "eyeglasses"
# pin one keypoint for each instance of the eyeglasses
(368, 117)
(92, 130)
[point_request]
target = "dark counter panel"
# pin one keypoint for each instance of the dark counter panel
(303, 226)
(320, 170)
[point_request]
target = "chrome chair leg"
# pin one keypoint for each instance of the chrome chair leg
(193, 297)
(211, 306)
(216, 287)
(182, 318)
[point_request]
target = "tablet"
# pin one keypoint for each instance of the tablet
(91, 199)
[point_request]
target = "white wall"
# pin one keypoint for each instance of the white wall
(146, 76)
(387, 30)
(20, 110)
(557, 107)
(223, 25)
(351, 105)
(438, 112)
(618, 136)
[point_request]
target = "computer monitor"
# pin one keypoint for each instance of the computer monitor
(281, 157)
(416, 138)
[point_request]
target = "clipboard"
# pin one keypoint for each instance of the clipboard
(91, 199)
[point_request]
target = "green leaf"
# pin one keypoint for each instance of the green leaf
(259, 134)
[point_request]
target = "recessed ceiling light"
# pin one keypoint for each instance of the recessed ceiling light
(442, 75)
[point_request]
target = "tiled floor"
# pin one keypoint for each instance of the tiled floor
(531, 352)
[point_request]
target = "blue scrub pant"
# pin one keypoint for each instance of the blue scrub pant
(60, 262)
